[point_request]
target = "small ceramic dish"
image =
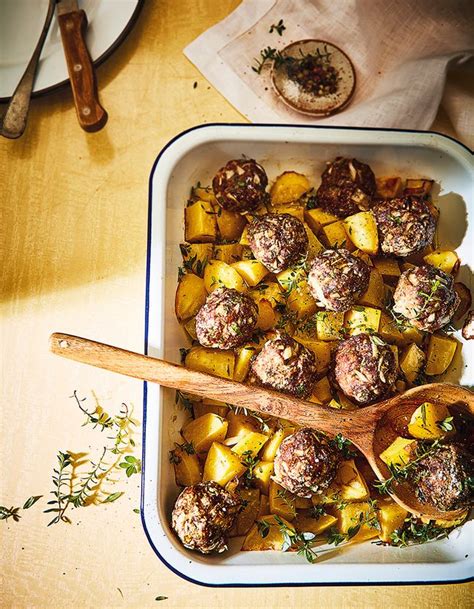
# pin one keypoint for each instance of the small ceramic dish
(305, 101)
(195, 155)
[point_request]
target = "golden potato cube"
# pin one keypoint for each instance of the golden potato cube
(242, 363)
(272, 541)
(300, 301)
(322, 391)
(387, 267)
(388, 187)
(303, 503)
(418, 186)
(329, 325)
(374, 296)
(445, 260)
(362, 231)
(187, 469)
(289, 187)
(219, 274)
(240, 425)
(282, 502)
(388, 329)
(262, 474)
(363, 256)
(410, 334)
(202, 432)
(252, 271)
(230, 224)
(267, 316)
(270, 291)
(244, 238)
(399, 452)
(315, 246)
(412, 362)
(200, 408)
(245, 519)
(250, 444)
(440, 354)
(190, 327)
(425, 421)
(362, 319)
(273, 444)
(191, 294)
(222, 464)
(212, 361)
(335, 235)
(351, 516)
(317, 218)
(196, 256)
(321, 350)
(293, 210)
(391, 517)
(228, 252)
(290, 278)
(200, 222)
(348, 485)
(305, 523)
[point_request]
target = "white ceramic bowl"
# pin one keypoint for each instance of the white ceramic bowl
(196, 155)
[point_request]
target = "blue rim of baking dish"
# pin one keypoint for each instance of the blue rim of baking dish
(145, 385)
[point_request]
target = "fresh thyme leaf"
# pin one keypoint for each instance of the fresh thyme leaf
(121, 593)
(263, 527)
(183, 401)
(267, 54)
(279, 28)
(161, 598)
(344, 445)
(415, 532)
(131, 465)
(6, 513)
(136, 510)
(31, 501)
(446, 424)
(113, 497)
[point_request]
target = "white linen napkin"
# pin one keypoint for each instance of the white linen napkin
(402, 51)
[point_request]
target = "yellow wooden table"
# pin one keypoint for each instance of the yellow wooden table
(74, 241)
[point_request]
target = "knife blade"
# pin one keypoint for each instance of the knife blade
(73, 25)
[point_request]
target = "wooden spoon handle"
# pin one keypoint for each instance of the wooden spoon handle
(90, 113)
(198, 383)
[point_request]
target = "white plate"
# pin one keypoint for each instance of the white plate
(21, 22)
(196, 155)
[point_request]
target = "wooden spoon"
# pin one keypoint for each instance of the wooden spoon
(371, 429)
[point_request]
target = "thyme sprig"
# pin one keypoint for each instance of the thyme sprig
(301, 542)
(344, 445)
(414, 532)
(368, 518)
(61, 482)
(267, 54)
(402, 472)
(13, 512)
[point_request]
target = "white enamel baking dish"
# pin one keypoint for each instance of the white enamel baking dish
(196, 155)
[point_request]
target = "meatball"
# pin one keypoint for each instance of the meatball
(285, 365)
(425, 296)
(405, 225)
(347, 187)
(203, 514)
(278, 241)
(226, 320)
(468, 327)
(337, 279)
(240, 185)
(442, 478)
(364, 367)
(305, 463)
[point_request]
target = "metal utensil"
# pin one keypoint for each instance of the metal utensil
(73, 25)
(14, 120)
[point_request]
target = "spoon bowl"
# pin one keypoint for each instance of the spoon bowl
(371, 429)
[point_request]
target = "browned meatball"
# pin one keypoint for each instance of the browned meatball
(347, 187)
(285, 365)
(278, 241)
(364, 367)
(226, 320)
(305, 463)
(425, 296)
(468, 327)
(405, 225)
(337, 279)
(240, 185)
(202, 516)
(444, 478)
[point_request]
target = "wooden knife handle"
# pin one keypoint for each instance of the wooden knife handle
(90, 113)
